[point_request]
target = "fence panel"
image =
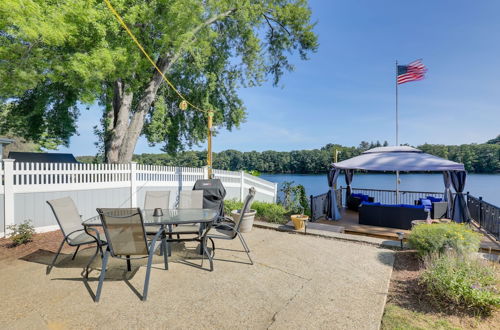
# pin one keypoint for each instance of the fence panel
(25, 187)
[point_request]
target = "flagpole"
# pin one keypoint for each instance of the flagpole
(397, 133)
(397, 110)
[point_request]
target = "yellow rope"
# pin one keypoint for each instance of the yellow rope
(124, 25)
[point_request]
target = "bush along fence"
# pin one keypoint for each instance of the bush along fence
(25, 188)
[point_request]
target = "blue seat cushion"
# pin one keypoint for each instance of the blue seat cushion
(412, 206)
(426, 202)
(370, 203)
(362, 197)
(434, 199)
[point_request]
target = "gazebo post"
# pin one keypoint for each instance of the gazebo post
(397, 187)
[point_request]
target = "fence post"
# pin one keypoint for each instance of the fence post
(480, 211)
(133, 184)
(8, 194)
(205, 172)
(242, 185)
(275, 198)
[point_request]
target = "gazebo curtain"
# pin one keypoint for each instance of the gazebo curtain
(448, 196)
(460, 211)
(333, 211)
(348, 173)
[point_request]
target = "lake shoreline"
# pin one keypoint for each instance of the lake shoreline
(482, 185)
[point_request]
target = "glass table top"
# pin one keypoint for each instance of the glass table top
(169, 217)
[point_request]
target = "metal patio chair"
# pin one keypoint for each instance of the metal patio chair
(189, 199)
(229, 230)
(126, 237)
(157, 199)
(70, 222)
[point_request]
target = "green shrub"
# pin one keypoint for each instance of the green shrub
(429, 239)
(270, 212)
(464, 282)
(23, 233)
(231, 204)
(267, 211)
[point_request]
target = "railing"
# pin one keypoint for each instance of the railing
(485, 214)
(389, 196)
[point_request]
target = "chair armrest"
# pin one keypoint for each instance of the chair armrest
(151, 247)
(98, 238)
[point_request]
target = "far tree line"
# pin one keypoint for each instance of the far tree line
(478, 158)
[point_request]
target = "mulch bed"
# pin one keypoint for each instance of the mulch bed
(405, 289)
(45, 241)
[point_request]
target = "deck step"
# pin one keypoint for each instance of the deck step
(320, 226)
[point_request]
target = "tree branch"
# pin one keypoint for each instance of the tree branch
(270, 26)
(277, 22)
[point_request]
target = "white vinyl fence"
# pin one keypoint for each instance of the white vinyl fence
(25, 188)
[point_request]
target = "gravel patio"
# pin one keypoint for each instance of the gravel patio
(296, 282)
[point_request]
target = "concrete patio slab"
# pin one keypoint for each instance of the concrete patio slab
(297, 282)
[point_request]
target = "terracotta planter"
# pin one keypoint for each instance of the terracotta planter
(299, 220)
(247, 221)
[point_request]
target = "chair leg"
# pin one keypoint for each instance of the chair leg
(165, 253)
(101, 277)
(129, 266)
(49, 268)
(245, 246)
(74, 255)
(146, 281)
(97, 250)
(205, 251)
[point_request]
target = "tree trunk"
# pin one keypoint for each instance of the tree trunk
(121, 135)
(117, 122)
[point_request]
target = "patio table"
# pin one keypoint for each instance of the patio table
(171, 217)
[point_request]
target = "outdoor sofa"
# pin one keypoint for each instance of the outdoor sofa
(354, 201)
(392, 216)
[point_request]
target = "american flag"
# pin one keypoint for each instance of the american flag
(414, 71)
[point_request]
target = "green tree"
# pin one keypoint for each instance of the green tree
(56, 54)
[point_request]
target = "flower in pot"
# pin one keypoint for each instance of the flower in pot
(299, 220)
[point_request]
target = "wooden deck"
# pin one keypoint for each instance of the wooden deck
(351, 225)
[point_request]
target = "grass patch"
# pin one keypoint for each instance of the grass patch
(397, 318)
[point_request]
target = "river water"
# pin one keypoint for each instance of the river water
(485, 185)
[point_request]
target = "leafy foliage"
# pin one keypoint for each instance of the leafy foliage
(431, 239)
(294, 197)
(464, 282)
(480, 158)
(266, 211)
(270, 212)
(57, 54)
(22, 233)
(495, 140)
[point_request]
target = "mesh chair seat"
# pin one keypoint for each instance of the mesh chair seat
(225, 229)
(80, 238)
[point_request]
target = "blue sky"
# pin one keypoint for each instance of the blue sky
(345, 93)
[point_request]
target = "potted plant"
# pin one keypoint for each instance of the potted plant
(247, 221)
(299, 219)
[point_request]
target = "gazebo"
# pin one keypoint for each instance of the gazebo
(402, 159)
